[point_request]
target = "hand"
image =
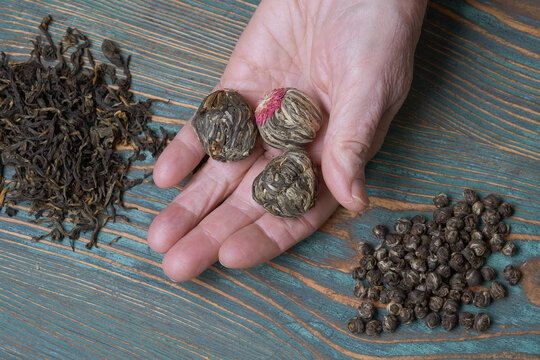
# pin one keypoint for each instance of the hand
(355, 58)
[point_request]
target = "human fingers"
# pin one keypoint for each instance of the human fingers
(179, 158)
(353, 121)
(269, 236)
(198, 249)
(208, 187)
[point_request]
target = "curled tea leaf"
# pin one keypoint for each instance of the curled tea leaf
(288, 186)
(288, 118)
(112, 53)
(225, 126)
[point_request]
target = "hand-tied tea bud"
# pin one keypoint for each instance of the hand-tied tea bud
(225, 127)
(288, 186)
(288, 118)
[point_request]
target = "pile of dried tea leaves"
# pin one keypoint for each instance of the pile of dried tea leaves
(428, 269)
(60, 129)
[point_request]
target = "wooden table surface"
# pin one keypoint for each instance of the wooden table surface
(472, 119)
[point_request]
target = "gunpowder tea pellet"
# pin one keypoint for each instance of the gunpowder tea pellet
(466, 319)
(509, 249)
(389, 323)
(225, 126)
(356, 325)
(449, 321)
(288, 118)
(481, 322)
(373, 327)
(482, 299)
(429, 268)
(433, 320)
(288, 186)
(497, 290)
(488, 273)
(367, 310)
(512, 274)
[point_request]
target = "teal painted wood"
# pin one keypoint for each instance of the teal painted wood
(471, 120)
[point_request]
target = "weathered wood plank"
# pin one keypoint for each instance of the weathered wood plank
(471, 120)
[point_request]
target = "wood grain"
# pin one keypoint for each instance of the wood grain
(472, 119)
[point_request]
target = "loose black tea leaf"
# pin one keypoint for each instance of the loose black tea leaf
(225, 126)
(288, 118)
(288, 186)
(60, 127)
(112, 53)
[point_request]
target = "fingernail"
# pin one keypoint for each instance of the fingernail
(357, 191)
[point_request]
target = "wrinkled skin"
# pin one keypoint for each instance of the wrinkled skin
(355, 58)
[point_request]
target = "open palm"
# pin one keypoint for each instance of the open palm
(355, 64)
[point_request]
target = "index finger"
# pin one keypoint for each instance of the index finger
(179, 158)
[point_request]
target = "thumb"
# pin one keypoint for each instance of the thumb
(348, 146)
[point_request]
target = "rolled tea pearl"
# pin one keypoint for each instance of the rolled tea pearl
(288, 118)
(225, 126)
(288, 186)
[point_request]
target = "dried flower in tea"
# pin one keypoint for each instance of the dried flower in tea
(225, 127)
(288, 186)
(288, 118)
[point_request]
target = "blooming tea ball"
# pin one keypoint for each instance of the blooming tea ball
(288, 186)
(224, 124)
(288, 118)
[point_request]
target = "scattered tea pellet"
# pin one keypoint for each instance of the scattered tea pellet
(449, 321)
(440, 200)
(491, 202)
(367, 310)
(488, 273)
(433, 320)
(482, 299)
(466, 319)
(509, 249)
(512, 274)
(497, 290)
(379, 231)
(426, 269)
(373, 327)
(356, 325)
(389, 323)
(481, 322)
(467, 296)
